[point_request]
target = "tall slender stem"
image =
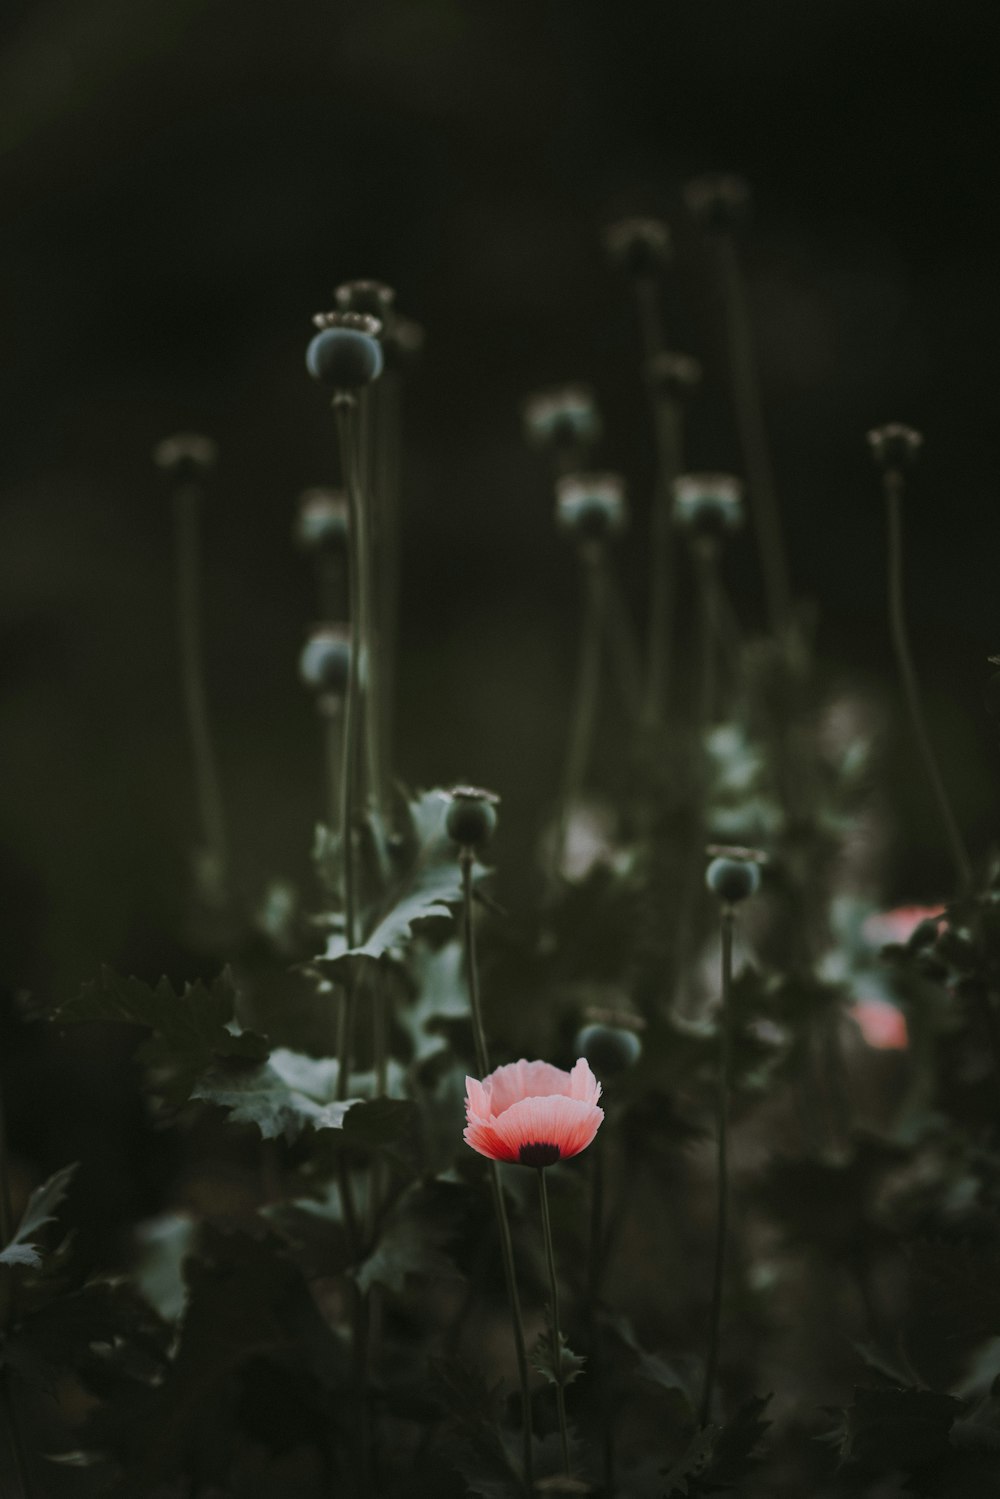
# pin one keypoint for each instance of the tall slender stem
(753, 436)
(623, 652)
(667, 427)
(8, 1400)
(587, 688)
(908, 676)
(554, 1331)
(722, 1168)
(333, 744)
(187, 544)
(496, 1185)
(706, 556)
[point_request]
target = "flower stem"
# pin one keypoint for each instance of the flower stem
(722, 1178)
(908, 676)
(753, 435)
(187, 550)
(496, 1186)
(8, 1398)
(587, 688)
(554, 1333)
(667, 426)
(706, 558)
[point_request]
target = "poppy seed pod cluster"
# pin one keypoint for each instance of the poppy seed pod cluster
(591, 506)
(345, 354)
(563, 417)
(532, 1113)
(471, 819)
(708, 503)
(322, 520)
(325, 662)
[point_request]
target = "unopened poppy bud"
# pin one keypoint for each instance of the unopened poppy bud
(894, 446)
(641, 245)
(609, 1049)
(346, 353)
(322, 520)
(720, 201)
(186, 456)
(562, 417)
(590, 505)
(472, 819)
(708, 502)
(674, 375)
(372, 297)
(733, 880)
(325, 662)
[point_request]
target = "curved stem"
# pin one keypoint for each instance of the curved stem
(333, 737)
(187, 546)
(345, 412)
(753, 436)
(722, 1180)
(622, 649)
(706, 557)
(496, 1186)
(554, 1332)
(908, 676)
(8, 1399)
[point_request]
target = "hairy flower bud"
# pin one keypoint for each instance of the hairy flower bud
(609, 1049)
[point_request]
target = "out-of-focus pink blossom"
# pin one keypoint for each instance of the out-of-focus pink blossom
(899, 924)
(881, 1024)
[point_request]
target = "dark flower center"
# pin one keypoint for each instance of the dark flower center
(537, 1153)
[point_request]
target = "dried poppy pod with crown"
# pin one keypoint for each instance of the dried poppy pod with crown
(325, 662)
(708, 503)
(373, 298)
(472, 819)
(565, 416)
(895, 446)
(345, 353)
(719, 201)
(590, 506)
(672, 374)
(186, 456)
(640, 245)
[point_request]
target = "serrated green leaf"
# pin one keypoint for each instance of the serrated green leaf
(563, 1369)
(40, 1210)
(190, 1031)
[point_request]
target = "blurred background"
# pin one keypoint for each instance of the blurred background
(183, 182)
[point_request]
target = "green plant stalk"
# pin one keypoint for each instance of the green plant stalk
(753, 436)
(330, 583)
(706, 559)
(622, 651)
(387, 559)
(667, 427)
(588, 687)
(722, 1166)
(330, 709)
(496, 1186)
(187, 550)
(366, 527)
(22, 1465)
(908, 677)
(554, 1332)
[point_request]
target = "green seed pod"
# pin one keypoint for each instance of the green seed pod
(590, 505)
(472, 819)
(733, 880)
(322, 521)
(610, 1049)
(325, 662)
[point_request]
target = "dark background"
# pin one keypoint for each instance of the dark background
(182, 183)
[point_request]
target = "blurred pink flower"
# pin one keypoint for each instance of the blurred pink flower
(899, 924)
(881, 1024)
(532, 1112)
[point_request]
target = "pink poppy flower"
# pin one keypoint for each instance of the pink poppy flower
(898, 925)
(881, 1024)
(532, 1112)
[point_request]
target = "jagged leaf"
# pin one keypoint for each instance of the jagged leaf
(21, 1248)
(190, 1030)
(566, 1367)
(718, 1458)
(412, 1242)
(896, 1429)
(472, 1432)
